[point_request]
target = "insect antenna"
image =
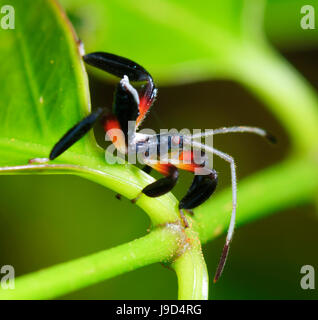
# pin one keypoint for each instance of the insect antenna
(238, 129)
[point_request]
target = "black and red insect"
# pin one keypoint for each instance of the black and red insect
(131, 105)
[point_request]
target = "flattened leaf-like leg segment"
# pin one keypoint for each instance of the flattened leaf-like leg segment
(146, 169)
(117, 66)
(163, 185)
(200, 190)
(120, 67)
(76, 133)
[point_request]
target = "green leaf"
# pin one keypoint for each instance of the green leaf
(44, 88)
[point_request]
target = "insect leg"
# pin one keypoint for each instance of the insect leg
(202, 186)
(120, 67)
(117, 66)
(230, 231)
(163, 185)
(146, 169)
(76, 133)
(200, 190)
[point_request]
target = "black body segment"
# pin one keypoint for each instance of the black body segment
(163, 185)
(147, 169)
(200, 190)
(117, 66)
(125, 108)
(76, 133)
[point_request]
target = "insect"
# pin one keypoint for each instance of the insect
(131, 106)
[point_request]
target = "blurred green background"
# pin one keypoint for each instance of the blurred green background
(46, 220)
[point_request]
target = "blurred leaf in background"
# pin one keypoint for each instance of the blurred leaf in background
(282, 25)
(180, 42)
(188, 41)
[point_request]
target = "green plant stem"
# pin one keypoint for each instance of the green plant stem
(125, 179)
(286, 92)
(191, 270)
(159, 245)
(290, 183)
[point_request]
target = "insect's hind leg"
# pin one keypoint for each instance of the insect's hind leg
(163, 185)
(146, 169)
(230, 231)
(201, 189)
(203, 185)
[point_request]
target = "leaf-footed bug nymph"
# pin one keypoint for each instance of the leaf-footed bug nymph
(131, 106)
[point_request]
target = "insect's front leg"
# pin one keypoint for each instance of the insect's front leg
(120, 67)
(230, 231)
(76, 133)
(72, 135)
(117, 66)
